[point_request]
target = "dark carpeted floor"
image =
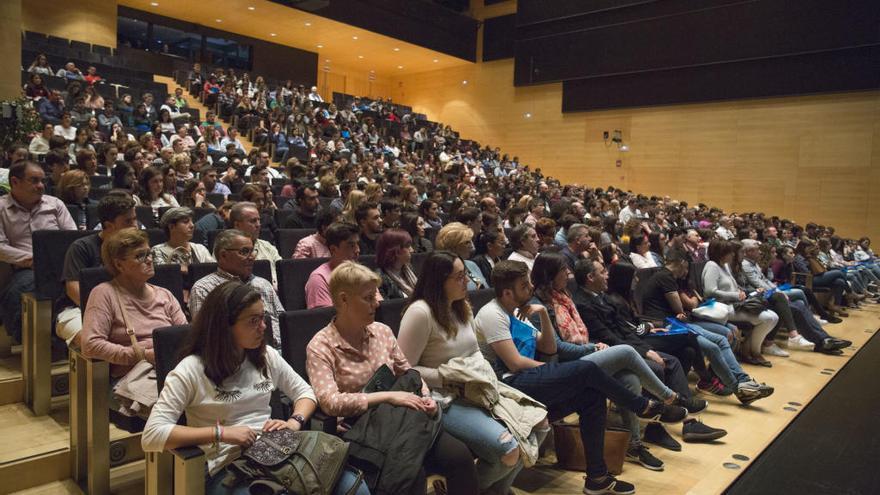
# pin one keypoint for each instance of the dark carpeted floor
(833, 446)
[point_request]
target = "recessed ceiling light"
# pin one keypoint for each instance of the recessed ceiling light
(527, 115)
(464, 82)
(320, 46)
(154, 4)
(354, 37)
(360, 56)
(308, 24)
(252, 8)
(273, 34)
(327, 60)
(435, 60)
(219, 20)
(397, 49)
(399, 66)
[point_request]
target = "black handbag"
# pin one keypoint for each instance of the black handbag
(753, 304)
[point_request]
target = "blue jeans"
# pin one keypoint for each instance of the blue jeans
(214, 484)
(488, 439)
(795, 294)
(624, 363)
(582, 387)
(716, 348)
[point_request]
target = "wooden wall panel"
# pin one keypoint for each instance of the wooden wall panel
(91, 21)
(811, 158)
(10, 50)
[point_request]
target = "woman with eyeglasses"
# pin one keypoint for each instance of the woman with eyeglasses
(127, 302)
(224, 385)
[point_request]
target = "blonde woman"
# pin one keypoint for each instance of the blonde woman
(458, 238)
(355, 198)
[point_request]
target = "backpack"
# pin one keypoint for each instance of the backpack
(284, 461)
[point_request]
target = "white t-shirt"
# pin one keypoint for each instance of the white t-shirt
(493, 324)
(242, 400)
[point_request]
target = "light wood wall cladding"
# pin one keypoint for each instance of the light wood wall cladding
(350, 80)
(814, 158)
(90, 21)
(10, 49)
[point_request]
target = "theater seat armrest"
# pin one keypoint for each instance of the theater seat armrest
(187, 453)
(322, 422)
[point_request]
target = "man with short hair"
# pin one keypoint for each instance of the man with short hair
(22, 211)
(232, 138)
(370, 224)
(525, 244)
(390, 213)
(245, 216)
(305, 207)
(725, 228)
(234, 252)
(215, 220)
(577, 242)
(509, 342)
(536, 212)
(116, 212)
(57, 162)
(315, 245)
(212, 185)
(314, 95)
(342, 240)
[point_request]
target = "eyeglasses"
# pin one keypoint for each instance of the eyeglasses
(142, 256)
(243, 252)
(459, 276)
(254, 320)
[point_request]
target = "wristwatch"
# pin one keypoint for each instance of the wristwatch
(299, 419)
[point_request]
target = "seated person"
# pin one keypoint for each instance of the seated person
(315, 245)
(368, 220)
(127, 302)
(393, 256)
(510, 343)
(640, 252)
(458, 238)
(342, 357)
(22, 211)
(524, 242)
(342, 240)
(807, 261)
(152, 190)
(228, 372)
(305, 208)
(495, 243)
(550, 278)
(415, 227)
(234, 251)
(720, 284)
(437, 327)
(245, 216)
(115, 212)
(178, 227)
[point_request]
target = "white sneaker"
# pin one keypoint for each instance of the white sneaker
(800, 342)
(822, 322)
(774, 350)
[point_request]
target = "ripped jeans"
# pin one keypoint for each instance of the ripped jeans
(489, 440)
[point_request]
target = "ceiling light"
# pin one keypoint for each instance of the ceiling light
(435, 60)
(272, 34)
(360, 56)
(219, 20)
(399, 66)
(154, 4)
(308, 24)
(464, 82)
(397, 49)
(354, 37)
(320, 46)
(252, 8)
(327, 60)
(527, 115)
(624, 148)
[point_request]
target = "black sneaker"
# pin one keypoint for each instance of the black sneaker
(694, 431)
(673, 414)
(659, 411)
(692, 404)
(641, 455)
(609, 484)
(656, 434)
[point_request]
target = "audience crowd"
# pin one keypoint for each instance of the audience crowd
(599, 293)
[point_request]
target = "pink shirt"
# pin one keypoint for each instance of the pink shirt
(311, 247)
(338, 371)
(318, 287)
(103, 334)
(17, 224)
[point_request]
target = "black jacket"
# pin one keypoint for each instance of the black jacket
(389, 443)
(482, 262)
(297, 220)
(607, 324)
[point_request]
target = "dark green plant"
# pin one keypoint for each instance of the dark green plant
(23, 127)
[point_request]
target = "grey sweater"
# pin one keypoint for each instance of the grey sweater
(719, 283)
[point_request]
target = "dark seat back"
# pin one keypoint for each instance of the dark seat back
(695, 277)
(289, 238)
(479, 298)
(390, 312)
(292, 278)
(167, 342)
(147, 217)
(166, 276)
(50, 248)
(417, 261)
(157, 236)
(297, 329)
(197, 271)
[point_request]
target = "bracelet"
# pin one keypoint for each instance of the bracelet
(216, 442)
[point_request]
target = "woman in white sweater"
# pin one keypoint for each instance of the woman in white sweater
(437, 326)
(720, 284)
(224, 385)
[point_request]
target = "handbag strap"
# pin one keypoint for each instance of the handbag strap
(138, 350)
